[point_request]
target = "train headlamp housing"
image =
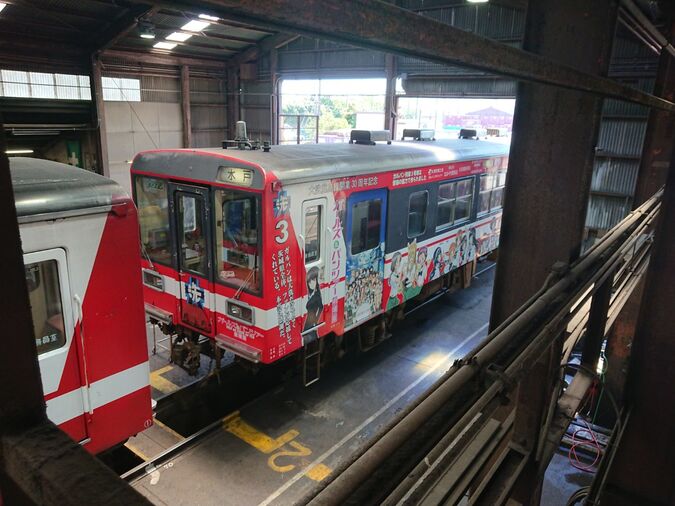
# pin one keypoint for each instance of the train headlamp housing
(240, 312)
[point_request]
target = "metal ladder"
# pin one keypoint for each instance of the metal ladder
(311, 362)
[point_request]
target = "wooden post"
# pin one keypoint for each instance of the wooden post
(185, 104)
(98, 115)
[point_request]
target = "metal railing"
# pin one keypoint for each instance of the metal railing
(455, 441)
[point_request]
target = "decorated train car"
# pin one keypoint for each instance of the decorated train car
(267, 250)
(79, 233)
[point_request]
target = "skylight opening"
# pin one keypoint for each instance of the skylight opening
(195, 26)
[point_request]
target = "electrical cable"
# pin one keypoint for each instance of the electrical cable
(578, 441)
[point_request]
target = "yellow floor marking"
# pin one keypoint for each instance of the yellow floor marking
(299, 450)
(261, 442)
(162, 384)
(168, 429)
(318, 473)
(136, 451)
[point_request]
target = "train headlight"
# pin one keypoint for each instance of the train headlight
(240, 312)
(153, 280)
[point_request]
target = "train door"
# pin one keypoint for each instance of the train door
(53, 315)
(191, 217)
(365, 230)
(314, 240)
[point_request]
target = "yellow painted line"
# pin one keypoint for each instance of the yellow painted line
(162, 384)
(318, 473)
(249, 434)
(168, 429)
(136, 451)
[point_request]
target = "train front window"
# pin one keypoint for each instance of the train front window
(153, 216)
(238, 237)
(42, 279)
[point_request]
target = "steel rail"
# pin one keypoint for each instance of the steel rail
(560, 295)
(385, 27)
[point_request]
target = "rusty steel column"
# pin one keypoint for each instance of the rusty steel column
(644, 465)
(233, 100)
(185, 105)
(389, 110)
(550, 167)
(656, 154)
(98, 113)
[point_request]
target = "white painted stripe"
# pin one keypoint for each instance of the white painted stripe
(368, 420)
(67, 406)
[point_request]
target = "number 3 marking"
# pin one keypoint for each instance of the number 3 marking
(282, 226)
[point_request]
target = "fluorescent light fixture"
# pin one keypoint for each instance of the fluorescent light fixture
(19, 152)
(179, 36)
(208, 17)
(2, 6)
(165, 45)
(146, 30)
(477, 1)
(195, 26)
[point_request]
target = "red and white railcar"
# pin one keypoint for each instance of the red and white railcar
(79, 233)
(264, 252)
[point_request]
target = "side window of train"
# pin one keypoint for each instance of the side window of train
(454, 203)
(366, 225)
(153, 216)
(491, 192)
(417, 213)
(312, 232)
(44, 291)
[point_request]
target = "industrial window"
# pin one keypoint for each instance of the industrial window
(117, 89)
(366, 217)
(312, 233)
(417, 213)
(153, 216)
(17, 83)
(454, 203)
(44, 289)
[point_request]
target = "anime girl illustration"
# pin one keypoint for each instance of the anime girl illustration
(396, 282)
(421, 270)
(437, 266)
(314, 303)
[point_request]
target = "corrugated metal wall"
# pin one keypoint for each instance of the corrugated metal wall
(208, 111)
(256, 108)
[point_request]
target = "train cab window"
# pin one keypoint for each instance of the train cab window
(312, 233)
(153, 216)
(366, 216)
(417, 213)
(192, 234)
(464, 200)
(238, 239)
(44, 290)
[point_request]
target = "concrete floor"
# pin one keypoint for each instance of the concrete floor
(278, 447)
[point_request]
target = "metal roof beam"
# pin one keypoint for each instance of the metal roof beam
(144, 57)
(384, 27)
(121, 27)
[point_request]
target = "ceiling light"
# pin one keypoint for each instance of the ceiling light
(19, 152)
(146, 30)
(208, 17)
(179, 36)
(165, 45)
(477, 1)
(2, 6)
(195, 26)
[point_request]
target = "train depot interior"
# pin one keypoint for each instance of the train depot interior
(327, 252)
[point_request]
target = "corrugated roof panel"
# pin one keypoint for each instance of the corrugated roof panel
(623, 137)
(605, 212)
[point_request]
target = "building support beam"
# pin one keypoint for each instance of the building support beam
(274, 97)
(385, 27)
(389, 106)
(185, 105)
(122, 26)
(544, 211)
(233, 100)
(652, 174)
(98, 117)
(644, 464)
